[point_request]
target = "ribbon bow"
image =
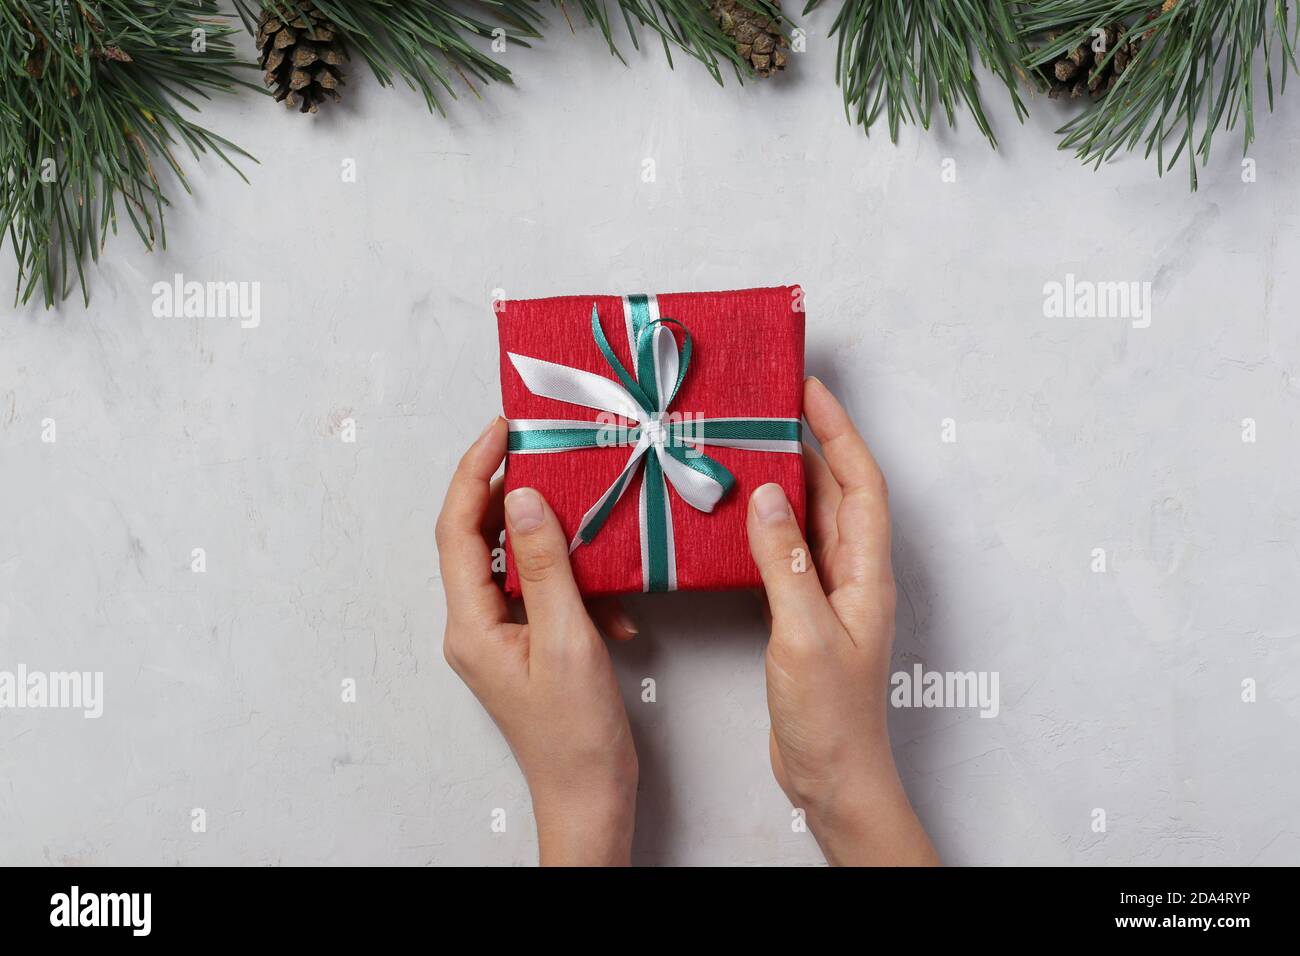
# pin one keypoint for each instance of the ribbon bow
(675, 440)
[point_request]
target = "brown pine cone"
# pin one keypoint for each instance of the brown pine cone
(302, 56)
(1085, 71)
(756, 36)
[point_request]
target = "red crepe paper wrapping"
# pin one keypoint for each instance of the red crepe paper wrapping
(747, 362)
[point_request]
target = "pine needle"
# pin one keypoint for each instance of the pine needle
(683, 24)
(902, 59)
(1194, 73)
(90, 101)
(422, 42)
(418, 40)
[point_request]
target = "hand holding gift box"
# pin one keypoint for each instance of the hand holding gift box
(687, 401)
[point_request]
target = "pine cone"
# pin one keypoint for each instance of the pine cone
(1085, 70)
(757, 37)
(302, 56)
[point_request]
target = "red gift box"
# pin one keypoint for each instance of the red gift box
(745, 362)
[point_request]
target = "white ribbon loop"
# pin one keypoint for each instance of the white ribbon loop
(699, 491)
(666, 359)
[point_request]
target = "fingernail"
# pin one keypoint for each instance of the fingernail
(814, 378)
(622, 619)
(484, 433)
(524, 510)
(770, 503)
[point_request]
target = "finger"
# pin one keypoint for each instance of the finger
(823, 501)
(789, 575)
(542, 558)
(848, 456)
(863, 516)
(612, 619)
(463, 555)
(494, 518)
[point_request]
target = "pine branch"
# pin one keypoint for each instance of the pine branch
(89, 109)
(427, 43)
(684, 24)
(901, 58)
(1193, 74)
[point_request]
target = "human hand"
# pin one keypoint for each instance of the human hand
(549, 684)
(828, 659)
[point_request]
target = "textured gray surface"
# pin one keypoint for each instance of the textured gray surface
(222, 690)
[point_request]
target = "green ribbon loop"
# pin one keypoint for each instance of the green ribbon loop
(645, 361)
(629, 383)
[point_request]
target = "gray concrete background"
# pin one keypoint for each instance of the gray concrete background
(1119, 691)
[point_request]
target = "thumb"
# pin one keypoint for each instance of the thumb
(783, 557)
(542, 556)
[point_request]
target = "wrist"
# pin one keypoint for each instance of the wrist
(868, 821)
(582, 829)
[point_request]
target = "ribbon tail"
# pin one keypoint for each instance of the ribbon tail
(598, 513)
(575, 386)
(658, 549)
